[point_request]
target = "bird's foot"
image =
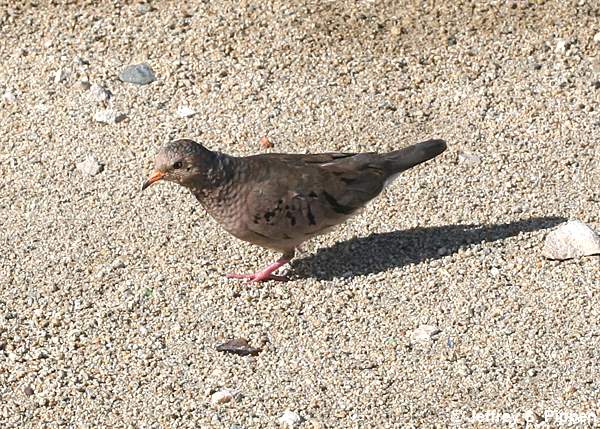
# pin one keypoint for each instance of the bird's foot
(264, 275)
(258, 277)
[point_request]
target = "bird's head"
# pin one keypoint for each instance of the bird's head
(180, 162)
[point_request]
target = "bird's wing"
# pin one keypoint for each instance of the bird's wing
(298, 196)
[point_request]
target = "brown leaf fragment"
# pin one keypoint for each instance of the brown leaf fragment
(238, 346)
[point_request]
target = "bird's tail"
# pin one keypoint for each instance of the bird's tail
(403, 159)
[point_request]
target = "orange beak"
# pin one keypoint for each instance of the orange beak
(154, 177)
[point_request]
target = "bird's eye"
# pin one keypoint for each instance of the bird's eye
(177, 165)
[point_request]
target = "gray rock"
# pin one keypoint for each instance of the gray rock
(90, 166)
(386, 105)
(144, 8)
(139, 74)
(572, 239)
(109, 116)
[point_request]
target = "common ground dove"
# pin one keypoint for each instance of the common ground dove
(278, 200)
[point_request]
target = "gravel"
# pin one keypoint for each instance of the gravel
(112, 301)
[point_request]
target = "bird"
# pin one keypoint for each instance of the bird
(278, 200)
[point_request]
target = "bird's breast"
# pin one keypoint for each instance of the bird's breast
(226, 206)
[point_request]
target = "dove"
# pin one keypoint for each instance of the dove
(277, 200)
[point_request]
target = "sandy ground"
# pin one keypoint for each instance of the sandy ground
(112, 301)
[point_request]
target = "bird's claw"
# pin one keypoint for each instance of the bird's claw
(258, 277)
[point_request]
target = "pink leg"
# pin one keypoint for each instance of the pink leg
(265, 274)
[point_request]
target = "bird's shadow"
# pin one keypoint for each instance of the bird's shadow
(380, 252)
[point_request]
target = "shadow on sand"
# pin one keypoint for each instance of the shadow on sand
(380, 252)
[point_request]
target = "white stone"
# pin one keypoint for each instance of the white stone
(185, 112)
(9, 97)
(79, 61)
(223, 396)
(424, 333)
(99, 94)
(597, 38)
(90, 166)
(109, 116)
(117, 264)
(561, 46)
(289, 419)
(468, 158)
(531, 416)
(572, 239)
(60, 75)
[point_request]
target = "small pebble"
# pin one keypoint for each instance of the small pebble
(289, 419)
(60, 75)
(386, 105)
(117, 263)
(144, 8)
(90, 166)
(597, 38)
(424, 333)
(570, 240)
(98, 93)
(185, 112)
(84, 85)
(109, 116)
(468, 158)
(561, 46)
(531, 416)
(238, 346)
(28, 391)
(139, 74)
(77, 60)
(9, 97)
(222, 397)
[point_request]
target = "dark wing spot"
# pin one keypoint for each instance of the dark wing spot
(291, 218)
(286, 237)
(269, 215)
(313, 194)
(256, 218)
(337, 207)
(310, 215)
